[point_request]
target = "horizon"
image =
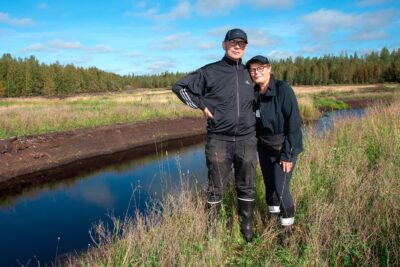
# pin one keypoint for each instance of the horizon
(149, 37)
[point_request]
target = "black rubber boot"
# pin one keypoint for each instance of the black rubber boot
(245, 210)
(213, 211)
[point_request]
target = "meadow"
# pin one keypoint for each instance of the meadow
(346, 187)
(39, 115)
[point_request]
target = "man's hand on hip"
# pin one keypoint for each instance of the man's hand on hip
(207, 114)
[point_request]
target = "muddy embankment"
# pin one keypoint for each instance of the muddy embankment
(26, 162)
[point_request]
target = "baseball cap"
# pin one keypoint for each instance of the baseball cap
(258, 58)
(235, 33)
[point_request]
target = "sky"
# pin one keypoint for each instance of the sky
(151, 37)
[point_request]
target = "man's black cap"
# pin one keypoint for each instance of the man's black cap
(261, 59)
(235, 33)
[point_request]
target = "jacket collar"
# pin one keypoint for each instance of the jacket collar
(230, 61)
(271, 87)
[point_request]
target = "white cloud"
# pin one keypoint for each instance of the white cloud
(276, 54)
(212, 7)
(366, 36)
(101, 49)
(220, 31)
(260, 38)
(371, 2)
(98, 195)
(310, 49)
(377, 19)
(7, 19)
(59, 44)
(152, 12)
(140, 4)
(324, 24)
(182, 10)
(133, 55)
(175, 41)
(160, 66)
(34, 48)
(206, 45)
(273, 3)
(42, 6)
(208, 7)
(325, 21)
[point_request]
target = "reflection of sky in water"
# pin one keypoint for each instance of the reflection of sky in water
(326, 122)
(31, 225)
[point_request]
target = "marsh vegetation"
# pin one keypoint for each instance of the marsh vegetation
(346, 187)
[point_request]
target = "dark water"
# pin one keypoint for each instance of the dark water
(30, 224)
(54, 219)
(326, 122)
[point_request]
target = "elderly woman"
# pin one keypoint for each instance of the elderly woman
(279, 137)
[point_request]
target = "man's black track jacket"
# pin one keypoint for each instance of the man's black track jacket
(225, 88)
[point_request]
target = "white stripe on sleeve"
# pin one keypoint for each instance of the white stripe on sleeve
(185, 96)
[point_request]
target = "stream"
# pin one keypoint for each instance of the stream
(40, 224)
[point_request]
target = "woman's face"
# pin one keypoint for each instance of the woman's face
(260, 73)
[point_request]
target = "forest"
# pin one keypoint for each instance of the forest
(29, 77)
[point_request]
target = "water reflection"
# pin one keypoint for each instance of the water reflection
(31, 224)
(326, 123)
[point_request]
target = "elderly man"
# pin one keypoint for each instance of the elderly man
(224, 92)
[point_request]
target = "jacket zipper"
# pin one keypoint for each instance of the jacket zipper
(237, 99)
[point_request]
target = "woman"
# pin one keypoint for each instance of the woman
(279, 137)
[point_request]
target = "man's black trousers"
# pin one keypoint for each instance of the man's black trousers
(223, 156)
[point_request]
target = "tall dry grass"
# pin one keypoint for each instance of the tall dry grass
(27, 116)
(346, 188)
(307, 108)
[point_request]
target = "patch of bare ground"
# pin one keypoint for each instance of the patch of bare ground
(334, 88)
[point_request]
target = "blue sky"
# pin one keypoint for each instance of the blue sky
(145, 37)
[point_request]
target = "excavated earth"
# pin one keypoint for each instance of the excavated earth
(30, 160)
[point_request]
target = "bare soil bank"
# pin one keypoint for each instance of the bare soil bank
(26, 161)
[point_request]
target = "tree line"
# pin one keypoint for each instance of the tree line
(28, 77)
(375, 67)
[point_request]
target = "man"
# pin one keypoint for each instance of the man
(223, 91)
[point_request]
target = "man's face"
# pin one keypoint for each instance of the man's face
(235, 48)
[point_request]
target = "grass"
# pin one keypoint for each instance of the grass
(31, 116)
(39, 115)
(336, 98)
(346, 188)
(329, 103)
